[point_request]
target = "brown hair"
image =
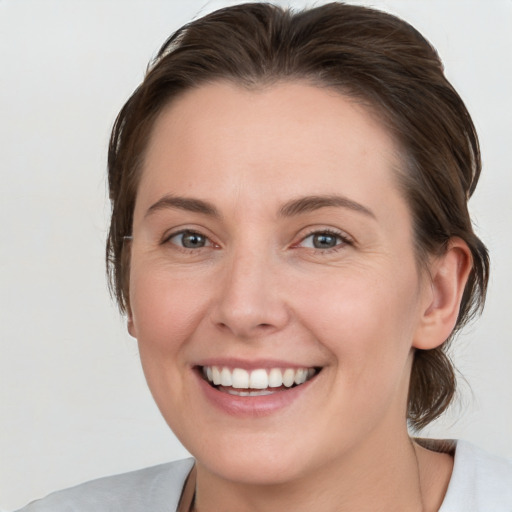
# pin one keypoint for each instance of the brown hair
(367, 54)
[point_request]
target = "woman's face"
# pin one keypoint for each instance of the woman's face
(271, 242)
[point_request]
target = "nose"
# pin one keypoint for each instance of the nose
(251, 301)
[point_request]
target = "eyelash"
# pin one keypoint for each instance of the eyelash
(343, 240)
(167, 239)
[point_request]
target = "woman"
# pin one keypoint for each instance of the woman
(291, 245)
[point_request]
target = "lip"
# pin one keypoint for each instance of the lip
(255, 364)
(251, 406)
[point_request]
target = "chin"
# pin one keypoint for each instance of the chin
(255, 468)
(257, 458)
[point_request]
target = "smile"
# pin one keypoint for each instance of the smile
(258, 382)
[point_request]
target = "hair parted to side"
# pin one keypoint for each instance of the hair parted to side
(372, 56)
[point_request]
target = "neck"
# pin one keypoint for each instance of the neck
(382, 476)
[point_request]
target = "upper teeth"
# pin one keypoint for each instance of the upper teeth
(257, 379)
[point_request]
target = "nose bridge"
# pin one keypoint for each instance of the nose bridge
(250, 301)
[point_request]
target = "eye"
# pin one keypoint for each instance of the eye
(324, 240)
(189, 239)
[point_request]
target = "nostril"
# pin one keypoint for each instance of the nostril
(249, 317)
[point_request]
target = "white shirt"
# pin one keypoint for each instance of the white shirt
(479, 483)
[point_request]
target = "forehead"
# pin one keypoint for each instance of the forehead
(282, 138)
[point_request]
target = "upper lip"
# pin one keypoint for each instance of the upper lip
(253, 364)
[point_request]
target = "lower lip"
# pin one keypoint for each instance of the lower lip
(251, 406)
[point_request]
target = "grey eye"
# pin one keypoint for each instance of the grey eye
(190, 240)
(322, 240)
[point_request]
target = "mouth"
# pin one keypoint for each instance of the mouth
(257, 382)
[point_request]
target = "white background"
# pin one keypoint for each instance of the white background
(73, 401)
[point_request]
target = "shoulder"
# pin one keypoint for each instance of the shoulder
(480, 482)
(157, 488)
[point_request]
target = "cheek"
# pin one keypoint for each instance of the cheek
(365, 319)
(369, 333)
(164, 311)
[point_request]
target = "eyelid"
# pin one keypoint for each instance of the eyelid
(180, 231)
(342, 235)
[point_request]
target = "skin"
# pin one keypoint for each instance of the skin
(259, 289)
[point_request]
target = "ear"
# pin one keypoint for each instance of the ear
(448, 276)
(129, 324)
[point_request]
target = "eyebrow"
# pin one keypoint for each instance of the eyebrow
(311, 203)
(184, 203)
(292, 208)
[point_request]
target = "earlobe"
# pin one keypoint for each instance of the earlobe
(449, 274)
(129, 323)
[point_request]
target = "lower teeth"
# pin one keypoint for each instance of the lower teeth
(259, 392)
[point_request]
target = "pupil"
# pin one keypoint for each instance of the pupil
(193, 240)
(324, 241)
